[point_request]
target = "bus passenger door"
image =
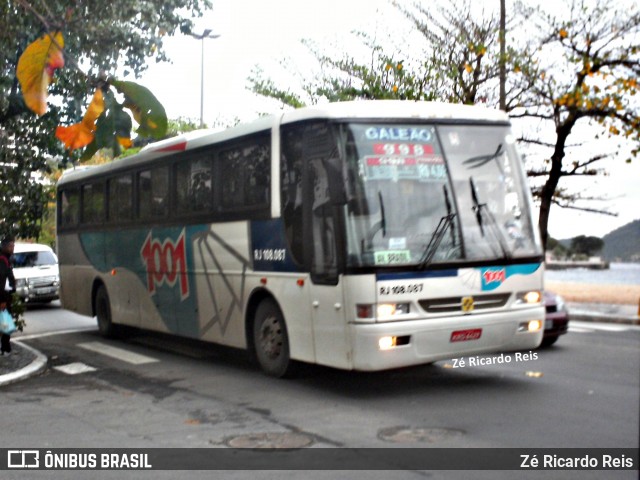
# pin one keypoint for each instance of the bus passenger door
(312, 217)
(322, 222)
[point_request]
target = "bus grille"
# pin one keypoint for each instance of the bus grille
(454, 304)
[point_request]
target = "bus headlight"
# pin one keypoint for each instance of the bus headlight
(391, 309)
(531, 297)
(530, 326)
(389, 342)
(381, 310)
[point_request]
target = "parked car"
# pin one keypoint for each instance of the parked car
(556, 318)
(35, 267)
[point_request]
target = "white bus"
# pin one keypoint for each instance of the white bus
(359, 235)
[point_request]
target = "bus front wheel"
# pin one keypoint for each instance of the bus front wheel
(270, 340)
(103, 313)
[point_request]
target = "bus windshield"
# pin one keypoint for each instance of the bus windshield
(420, 194)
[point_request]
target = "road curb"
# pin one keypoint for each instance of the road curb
(604, 312)
(603, 317)
(37, 366)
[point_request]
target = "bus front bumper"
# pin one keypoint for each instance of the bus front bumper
(429, 340)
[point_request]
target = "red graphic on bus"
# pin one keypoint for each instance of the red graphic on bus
(491, 276)
(166, 263)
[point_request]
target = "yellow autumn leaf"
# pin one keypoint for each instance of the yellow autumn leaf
(563, 33)
(468, 67)
(125, 142)
(36, 67)
(81, 134)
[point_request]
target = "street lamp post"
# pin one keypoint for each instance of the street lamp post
(201, 37)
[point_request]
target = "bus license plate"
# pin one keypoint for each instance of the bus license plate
(466, 335)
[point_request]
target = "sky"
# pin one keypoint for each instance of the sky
(268, 34)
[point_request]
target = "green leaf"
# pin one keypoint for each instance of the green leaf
(111, 125)
(90, 151)
(146, 109)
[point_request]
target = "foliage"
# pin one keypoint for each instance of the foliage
(589, 246)
(589, 67)
(181, 125)
(569, 68)
(17, 312)
(36, 67)
(466, 57)
(100, 40)
(460, 64)
(105, 123)
(82, 134)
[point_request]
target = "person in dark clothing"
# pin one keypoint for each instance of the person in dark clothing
(7, 286)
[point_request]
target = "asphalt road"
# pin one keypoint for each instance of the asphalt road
(153, 391)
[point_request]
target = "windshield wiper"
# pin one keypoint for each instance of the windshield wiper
(445, 223)
(479, 161)
(482, 212)
(379, 225)
(383, 219)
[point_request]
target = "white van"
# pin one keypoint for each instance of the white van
(35, 267)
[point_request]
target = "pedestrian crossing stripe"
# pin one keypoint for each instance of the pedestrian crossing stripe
(75, 368)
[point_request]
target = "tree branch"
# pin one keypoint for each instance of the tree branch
(585, 209)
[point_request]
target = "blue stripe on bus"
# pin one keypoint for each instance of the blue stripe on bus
(453, 272)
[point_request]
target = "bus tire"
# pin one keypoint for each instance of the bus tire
(271, 341)
(103, 313)
(547, 342)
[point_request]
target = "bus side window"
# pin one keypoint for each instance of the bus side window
(309, 217)
(258, 174)
(120, 199)
(324, 258)
(291, 190)
(93, 203)
(153, 193)
(69, 207)
(247, 175)
(194, 185)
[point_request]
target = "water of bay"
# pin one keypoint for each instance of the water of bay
(617, 274)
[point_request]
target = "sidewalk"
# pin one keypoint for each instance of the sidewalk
(25, 361)
(601, 312)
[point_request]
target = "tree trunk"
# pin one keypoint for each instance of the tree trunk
(549, 189)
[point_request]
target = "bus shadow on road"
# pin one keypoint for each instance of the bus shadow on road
(432, 379)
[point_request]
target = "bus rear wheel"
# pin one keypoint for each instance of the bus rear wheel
(270, 340)
(103, 313)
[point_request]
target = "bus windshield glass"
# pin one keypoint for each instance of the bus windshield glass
(422, 194)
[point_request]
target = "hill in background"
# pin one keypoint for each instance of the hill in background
(623, 244)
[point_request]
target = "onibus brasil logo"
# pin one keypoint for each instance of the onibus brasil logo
(166, 263)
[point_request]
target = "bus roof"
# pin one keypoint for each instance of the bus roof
(394, 109)
(362, 109)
